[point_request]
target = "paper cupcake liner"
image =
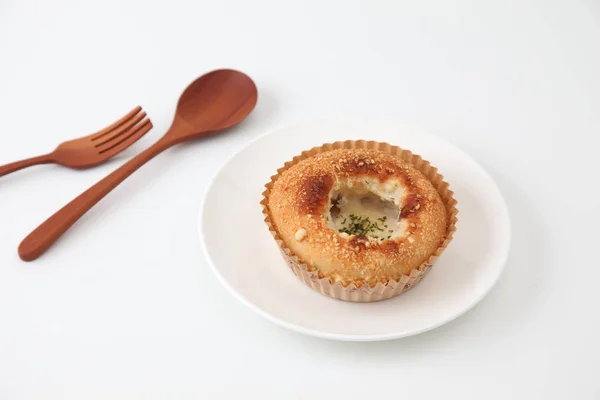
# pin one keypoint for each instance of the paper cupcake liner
(380, 291)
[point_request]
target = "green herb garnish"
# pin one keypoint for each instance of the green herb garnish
(360, 226)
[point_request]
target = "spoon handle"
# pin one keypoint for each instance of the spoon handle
(39, 240)
(17, 165)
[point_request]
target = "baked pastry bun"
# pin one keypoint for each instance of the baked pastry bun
(357, 217)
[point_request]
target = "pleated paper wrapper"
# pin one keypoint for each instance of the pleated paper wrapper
(366, 293)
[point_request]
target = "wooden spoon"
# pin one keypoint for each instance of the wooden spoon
(212, 103)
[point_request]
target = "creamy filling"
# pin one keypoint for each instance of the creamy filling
(367, 208)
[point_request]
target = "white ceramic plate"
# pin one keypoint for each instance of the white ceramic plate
(246, 259)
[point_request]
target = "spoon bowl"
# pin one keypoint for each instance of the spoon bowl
(212, 103)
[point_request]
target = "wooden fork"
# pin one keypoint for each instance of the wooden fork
(94, 149)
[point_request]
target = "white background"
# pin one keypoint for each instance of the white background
(124, 305)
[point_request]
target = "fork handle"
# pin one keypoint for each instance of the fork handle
(17, 165)
(40, 239)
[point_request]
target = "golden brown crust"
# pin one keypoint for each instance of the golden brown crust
(300, 198)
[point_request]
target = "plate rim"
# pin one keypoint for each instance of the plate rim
(342, 336)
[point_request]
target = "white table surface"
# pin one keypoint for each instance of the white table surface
(124, 305)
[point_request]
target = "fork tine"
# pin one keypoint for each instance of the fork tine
(114, 125)
(124, 128)
(125, 140)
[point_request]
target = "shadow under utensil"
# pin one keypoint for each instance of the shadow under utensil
(26, 173)
(114, 162)
(263, 115)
